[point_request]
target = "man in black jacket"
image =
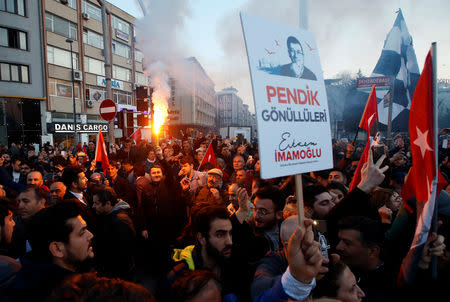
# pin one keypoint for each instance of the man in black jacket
(120, 184)
(75, 181)
(60, 243)
(114, 244)
(162, 214)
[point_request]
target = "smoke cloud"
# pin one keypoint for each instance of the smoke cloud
(157, 36)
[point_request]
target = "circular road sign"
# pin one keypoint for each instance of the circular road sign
(108, 109)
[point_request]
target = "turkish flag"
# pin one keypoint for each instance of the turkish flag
(100, 152)
(370, 114)
(209, 157)
(422, 178)
(421, 132)
(137, 136)
(368, 119)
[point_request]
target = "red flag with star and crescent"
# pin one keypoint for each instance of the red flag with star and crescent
(421, 133)
(423, 178)
(368, 119)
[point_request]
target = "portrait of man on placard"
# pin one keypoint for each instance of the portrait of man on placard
(296, 68)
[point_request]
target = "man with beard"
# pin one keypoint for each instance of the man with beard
(75, 181)
(211, 193)
(212, 229)
(57, 192)
(268, 214)
(60, 243)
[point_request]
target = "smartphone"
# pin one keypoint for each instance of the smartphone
(377, 152)
(319, 229)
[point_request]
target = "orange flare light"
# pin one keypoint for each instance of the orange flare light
(159, 115)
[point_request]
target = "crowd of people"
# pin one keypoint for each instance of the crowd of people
(162, 224)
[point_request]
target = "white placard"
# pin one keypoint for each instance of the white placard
(290, 98)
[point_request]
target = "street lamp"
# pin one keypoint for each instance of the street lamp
(70, 41)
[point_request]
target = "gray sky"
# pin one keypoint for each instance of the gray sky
(350, 33)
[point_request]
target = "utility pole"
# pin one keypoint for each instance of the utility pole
(106, 26)
(70, 41)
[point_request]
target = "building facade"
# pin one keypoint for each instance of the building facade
(231, 110)
(192, 104)
(22, 72)
(81, 21)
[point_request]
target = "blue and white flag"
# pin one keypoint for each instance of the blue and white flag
(397, 60)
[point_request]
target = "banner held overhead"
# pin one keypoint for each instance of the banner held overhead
(290, 98)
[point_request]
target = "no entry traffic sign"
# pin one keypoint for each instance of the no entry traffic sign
(108, 109)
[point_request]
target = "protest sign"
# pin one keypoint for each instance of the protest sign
(290, 99)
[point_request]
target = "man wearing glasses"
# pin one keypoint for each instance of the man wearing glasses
(268, 214)
(297, 68)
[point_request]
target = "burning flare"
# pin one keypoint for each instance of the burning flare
(159, 80)
(159, 114)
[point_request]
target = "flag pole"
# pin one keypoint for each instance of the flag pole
(389, 125)
(436, 149)
(356, 135)
(303, 23)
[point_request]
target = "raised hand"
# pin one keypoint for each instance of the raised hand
(371, 174)
(304, 256)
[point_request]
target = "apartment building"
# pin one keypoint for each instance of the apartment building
(192, 102)
(22, 72)
(81, 21)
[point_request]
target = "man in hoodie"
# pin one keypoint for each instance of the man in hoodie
(115, 235)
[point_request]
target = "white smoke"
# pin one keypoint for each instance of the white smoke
(157, 37)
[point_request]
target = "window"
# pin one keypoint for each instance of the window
(92, 10)
(62, 88)
(120, 24)
(14, 73)
(71, 3)
(13, 6)
(122, 98)
(141, 79)
(120, 49)
(61, 57)
(93, 39)
(61, 26)
(94, 66)
(13, 38)
(138, 56)
(121, 73)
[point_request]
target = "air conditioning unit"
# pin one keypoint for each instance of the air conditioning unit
(85, 16)
(90, 103)
(77, 75)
